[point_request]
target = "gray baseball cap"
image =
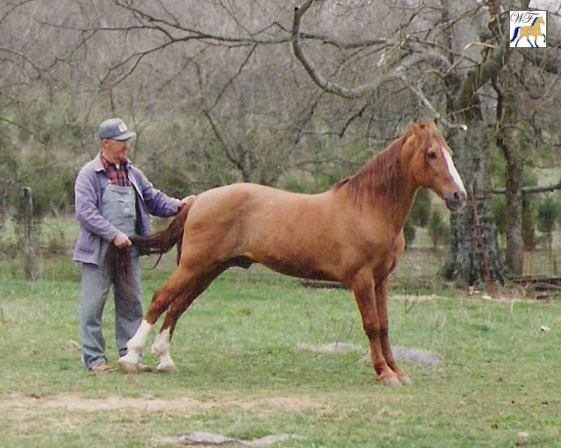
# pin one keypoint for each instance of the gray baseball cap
(114, 129)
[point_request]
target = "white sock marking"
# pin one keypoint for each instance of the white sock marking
(161, 343)
(138, 341)
(161, 349)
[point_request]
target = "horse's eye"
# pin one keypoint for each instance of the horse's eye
(432, 155)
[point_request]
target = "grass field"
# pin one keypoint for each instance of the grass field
(241, 374)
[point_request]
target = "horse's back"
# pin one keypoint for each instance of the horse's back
(245, 199)
(231, 201)
(279, 229)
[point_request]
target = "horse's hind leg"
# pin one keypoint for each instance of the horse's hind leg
(161, 346)
(161, 300)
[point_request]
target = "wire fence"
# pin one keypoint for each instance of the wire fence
(420, 271)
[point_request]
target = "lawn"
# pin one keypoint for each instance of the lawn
(242, 375)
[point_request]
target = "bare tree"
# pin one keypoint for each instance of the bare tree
(464, 60)
(226, 90)
(527, 96)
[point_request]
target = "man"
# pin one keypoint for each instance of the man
(113, 200)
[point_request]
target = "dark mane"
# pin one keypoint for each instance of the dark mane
(381, 175)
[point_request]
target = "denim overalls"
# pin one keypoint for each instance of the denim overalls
(119, 208)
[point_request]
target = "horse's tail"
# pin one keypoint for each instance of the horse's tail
(163, 241)
(516, 31)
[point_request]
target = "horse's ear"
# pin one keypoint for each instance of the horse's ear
(416, 129)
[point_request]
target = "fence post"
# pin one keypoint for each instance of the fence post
(27, 197)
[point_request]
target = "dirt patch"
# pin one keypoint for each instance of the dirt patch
(148, 404)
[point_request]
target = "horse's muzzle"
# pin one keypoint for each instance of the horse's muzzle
(455, 201)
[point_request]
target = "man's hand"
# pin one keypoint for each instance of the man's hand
(187, 199)
(122, 240)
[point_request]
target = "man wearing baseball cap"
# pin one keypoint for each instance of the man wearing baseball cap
(113, 201)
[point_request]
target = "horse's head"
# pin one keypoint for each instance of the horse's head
(432, 165)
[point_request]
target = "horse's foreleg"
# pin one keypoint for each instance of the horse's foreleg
(363, 288)
(161, 346)
(381, 290)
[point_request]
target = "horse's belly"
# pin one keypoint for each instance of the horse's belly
(299, 266)
(307, 272)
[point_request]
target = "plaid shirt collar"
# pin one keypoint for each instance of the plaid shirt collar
(117, 176)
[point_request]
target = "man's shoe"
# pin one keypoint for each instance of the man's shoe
(100, 367)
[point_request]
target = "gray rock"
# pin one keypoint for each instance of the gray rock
(212, 439)
(330, 349)
(417, 356)
(413, 355)
(198, 439)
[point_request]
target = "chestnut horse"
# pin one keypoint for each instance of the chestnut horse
(352, 234)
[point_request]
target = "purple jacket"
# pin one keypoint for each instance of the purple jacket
(89, 189)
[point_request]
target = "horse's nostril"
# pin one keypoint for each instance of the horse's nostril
(459, 196)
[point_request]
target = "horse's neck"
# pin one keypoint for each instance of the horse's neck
(384, 188)
(399, 205)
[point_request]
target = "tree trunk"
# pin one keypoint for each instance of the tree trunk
(476, 259)
(528, 224)
(508, 142)
(27, 208)
(514, 247)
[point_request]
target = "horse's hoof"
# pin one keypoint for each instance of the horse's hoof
(143, 368)
(404, 379)
(391, 381)
(166, 368)
(127, 366)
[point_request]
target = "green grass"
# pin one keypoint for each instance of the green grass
(242, 376)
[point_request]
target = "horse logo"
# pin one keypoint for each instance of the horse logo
(528, 29)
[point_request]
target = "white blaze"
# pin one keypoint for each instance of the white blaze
(453, 171)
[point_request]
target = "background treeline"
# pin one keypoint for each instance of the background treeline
(220, 91)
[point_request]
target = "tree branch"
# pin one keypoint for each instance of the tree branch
(532, 190)
(240, 162)
(316, 76)
(24, 58)
(398, 73)
(231, 80)
(547, 59)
